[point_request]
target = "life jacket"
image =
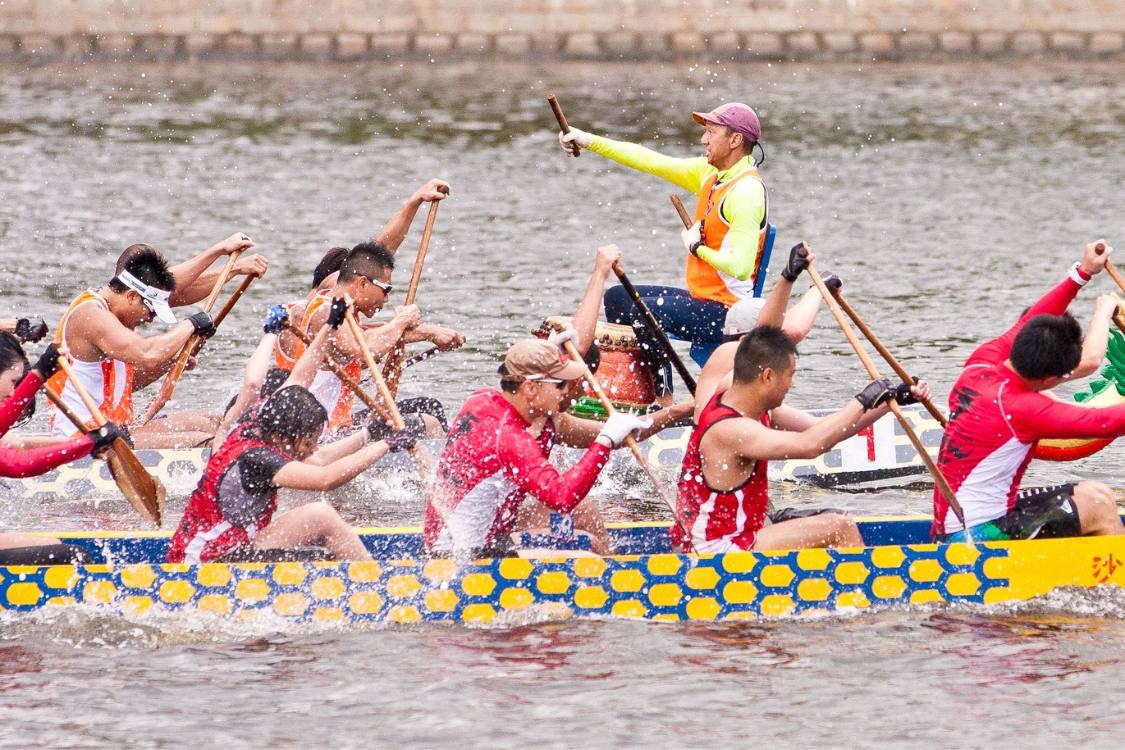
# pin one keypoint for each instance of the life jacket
(280, 358)
(330, 391)
(704, 280)
(109, 379)
(718, 521)
(204, 534)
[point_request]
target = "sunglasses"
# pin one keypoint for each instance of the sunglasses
(560, 384)
(387, 288)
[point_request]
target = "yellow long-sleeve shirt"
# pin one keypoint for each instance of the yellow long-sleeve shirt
(744, 208)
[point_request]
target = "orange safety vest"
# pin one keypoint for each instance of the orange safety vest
(340, 415)
(704, 281)
(116, 386)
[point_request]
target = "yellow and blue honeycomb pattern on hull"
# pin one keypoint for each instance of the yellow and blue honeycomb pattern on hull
(657, 587)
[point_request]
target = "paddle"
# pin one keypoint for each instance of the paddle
(425, 462)
(168, 387)
(685, 217)
(890, 359)
(939, 478)
(392, 370)
(372, 403)
(629, 440)
(654, 328)
(557, 109)
(421, 357)
(141, 489)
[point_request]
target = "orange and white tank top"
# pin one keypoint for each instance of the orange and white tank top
(109, 380)
(280, 357)
(704, 280)
(330, 391)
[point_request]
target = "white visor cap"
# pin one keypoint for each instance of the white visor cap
(743, 316)
(156, 299)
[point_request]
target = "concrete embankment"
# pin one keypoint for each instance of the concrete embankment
(42, 30)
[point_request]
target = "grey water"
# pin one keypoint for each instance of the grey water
(947, 197)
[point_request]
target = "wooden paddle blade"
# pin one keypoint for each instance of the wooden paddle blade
(138, 486)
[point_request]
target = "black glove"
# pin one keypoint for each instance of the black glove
(832, 281)
(276, 319)
(796, 263)
(903, 394)
(401, 441)
(415, 426)
(204, 324)
(30, 330)
(878, 393)
(104, 436)
(48, 363)
(336, 313)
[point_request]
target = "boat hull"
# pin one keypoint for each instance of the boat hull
(901, 570)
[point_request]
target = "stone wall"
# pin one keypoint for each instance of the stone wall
(581, 29)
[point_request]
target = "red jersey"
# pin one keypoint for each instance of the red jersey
(234, 500)
(16, 463)
(490, 464)
(719, 521)
(995, 421)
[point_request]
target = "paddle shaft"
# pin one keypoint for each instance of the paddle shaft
(372, 403)
(192, 345)
(422, 459)
(230, 303)
(890, 359)
(939, 478)
(421, 357)
(685, 217)
(629, 440)
(392, 371)
(557, 109)
(655, 328)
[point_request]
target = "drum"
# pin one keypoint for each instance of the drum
(623, 372)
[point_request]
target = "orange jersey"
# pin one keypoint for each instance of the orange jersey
(329, 390)
(704, 280)
(109, 379)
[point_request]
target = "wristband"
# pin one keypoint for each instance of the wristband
(1078, 276)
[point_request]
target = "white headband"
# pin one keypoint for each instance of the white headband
(158, 297)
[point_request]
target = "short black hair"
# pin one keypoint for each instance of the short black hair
(1048, 346)
(764, 347)
(146, 265)
(274, 379)
(366, 259)
(293, 413)
(11, 353)
(328, 265)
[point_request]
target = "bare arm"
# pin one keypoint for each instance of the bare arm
(585, 320)
(393, 234)
(249, 265)
(736, 441)
(189, 288)
(304, 372)
(579, 433)
(446, 339)
(304, 475)
(93, 333)
(248, 395)
(1097, 339)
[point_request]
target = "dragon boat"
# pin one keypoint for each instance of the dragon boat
(645, 580)
(881, 452)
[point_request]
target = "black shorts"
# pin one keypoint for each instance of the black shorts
(1039, 513)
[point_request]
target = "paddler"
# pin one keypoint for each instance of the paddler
(195, 278)
(230, 516)
(112, 359)
(723, 493)
(999, 410)
(365, 278)
(723, 244)
(19, 383)
(497, 453)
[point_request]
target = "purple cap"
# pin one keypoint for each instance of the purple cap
(738, 117)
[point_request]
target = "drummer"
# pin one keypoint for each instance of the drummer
(497, 453)
(723, 493)
(724, 244)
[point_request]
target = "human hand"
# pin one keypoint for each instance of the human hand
(434, 190)
(621, 425)
(337, 312)
(797, 263)
(236, 242)
(204, 324)
(575, 140)
(607, 256)
(276, 319)
(559, 338)
(1106, 306)
(832, 281)
(912, 393)
(877, 393)
(693, 237)
(48, 363)
(408, 316)
(251, 265)
(30, 330)
(104, 436)
(446, 339)
(1095, 257)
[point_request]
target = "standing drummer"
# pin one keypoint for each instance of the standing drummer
(726, 240)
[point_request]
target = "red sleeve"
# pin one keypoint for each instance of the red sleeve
(524, 464)
(17, 464)
(1034, 416)
(13, 406)
(1054, 302)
